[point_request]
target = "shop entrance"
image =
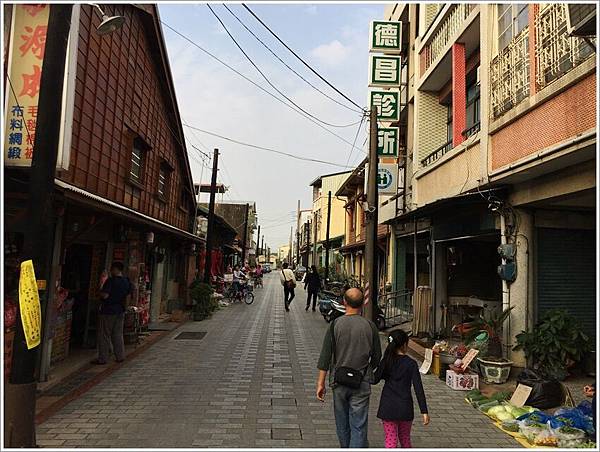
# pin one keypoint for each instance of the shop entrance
(76, 276)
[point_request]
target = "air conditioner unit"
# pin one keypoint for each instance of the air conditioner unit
(581, 19)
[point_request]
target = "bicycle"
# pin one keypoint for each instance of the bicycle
(258, 282)
(243, 294)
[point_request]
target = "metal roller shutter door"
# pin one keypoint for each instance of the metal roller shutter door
(566, 273)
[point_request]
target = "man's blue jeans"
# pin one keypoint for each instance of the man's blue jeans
(351, 409)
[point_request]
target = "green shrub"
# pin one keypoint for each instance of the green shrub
(552, 343)
(204, 303)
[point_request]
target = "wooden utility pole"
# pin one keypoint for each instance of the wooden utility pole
(258, 244)
(20, 389)
(245, 240)
(371, 217)
(298, 235)
(211, 218)
(327, 244)
(290, 250)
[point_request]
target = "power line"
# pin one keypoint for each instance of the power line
(253, 82)
(299, 58)
(267, 149)
(287, 65)
(354, 142)
(267, 78)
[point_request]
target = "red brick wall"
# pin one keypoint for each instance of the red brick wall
(566, 115)
(120, 92)
(459, 93)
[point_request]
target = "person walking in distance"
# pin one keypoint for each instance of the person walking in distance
(288, 281)
(114, 293)
(401, 374)
(312, 281)
(351, 351)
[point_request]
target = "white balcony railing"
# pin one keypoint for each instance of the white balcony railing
(509, 75)
(446, 32)
(556, 52)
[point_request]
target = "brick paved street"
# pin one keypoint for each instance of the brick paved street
(248, 383)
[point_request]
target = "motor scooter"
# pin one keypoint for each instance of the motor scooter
(331, 307)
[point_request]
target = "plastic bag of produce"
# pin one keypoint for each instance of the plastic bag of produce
(534, 417)
(487, 406)
(546, 438)
(586, 408)
(544, 394)
(574, 417)
(504, 416)
(496, 410)
(510, 426)
(531, 430)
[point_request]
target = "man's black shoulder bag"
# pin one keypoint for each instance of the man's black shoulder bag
(344, 376)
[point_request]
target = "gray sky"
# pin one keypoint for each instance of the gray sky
(331, 38)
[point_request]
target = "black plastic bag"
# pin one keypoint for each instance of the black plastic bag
(544, 393)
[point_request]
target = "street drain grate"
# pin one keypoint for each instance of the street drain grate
(70, 384)
(191, 335)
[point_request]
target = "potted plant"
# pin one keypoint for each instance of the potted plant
(494, 368)
(202, 299)
(556, 342)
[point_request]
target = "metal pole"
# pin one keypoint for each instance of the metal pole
(298, 235)
(211, 218)
(327, 244)
(245, 240)
(20, 395)
(371, 285)
(262, 246)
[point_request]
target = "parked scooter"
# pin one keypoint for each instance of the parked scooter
(332, 307)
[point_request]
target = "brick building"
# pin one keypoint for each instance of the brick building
(500, 149)
(123, 190)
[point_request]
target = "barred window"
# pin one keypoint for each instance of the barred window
(512, 18)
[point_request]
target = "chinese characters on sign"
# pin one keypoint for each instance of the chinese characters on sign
(386, 37)
(28, 41)
(385, 71)
(386, 103)
(29, 305)
(387, 141)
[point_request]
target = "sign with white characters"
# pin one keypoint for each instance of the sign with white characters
(384, 70)
(387, 141)
(387, 104)
(386, 36)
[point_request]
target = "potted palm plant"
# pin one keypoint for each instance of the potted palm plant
(494, 367)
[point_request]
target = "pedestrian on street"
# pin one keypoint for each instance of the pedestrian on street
(114, 293)
(401, 373)
(288, 281)
(238, 276)
(351, 351)
(312, 281)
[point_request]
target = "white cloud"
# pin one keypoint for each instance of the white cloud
(331, 54)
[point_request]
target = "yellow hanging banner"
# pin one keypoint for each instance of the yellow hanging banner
(29, 302)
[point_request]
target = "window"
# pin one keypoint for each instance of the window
(473, 106)
(449, 125)
(137, 160)
(512, 18)
(164, 179)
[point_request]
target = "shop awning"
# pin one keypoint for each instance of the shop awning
(85, 197)
(476, 197)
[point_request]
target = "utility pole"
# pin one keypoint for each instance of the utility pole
(211, 218)
(262, 246)
(258, 244)
(298, 235)
(314, 251)
(327, 244)
(20, 389)
(245, 240)
(371, 217)
(290, 250)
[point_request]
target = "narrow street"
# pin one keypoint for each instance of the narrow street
(249, 382)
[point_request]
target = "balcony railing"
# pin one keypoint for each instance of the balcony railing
(509, 75)
(447, 32)
(437, 154)
(556, 52)
(471, 130)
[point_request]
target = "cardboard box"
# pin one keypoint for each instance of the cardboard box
(462, 382)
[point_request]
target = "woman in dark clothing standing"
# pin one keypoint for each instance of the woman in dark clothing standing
(313, 282)
(400, 373)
